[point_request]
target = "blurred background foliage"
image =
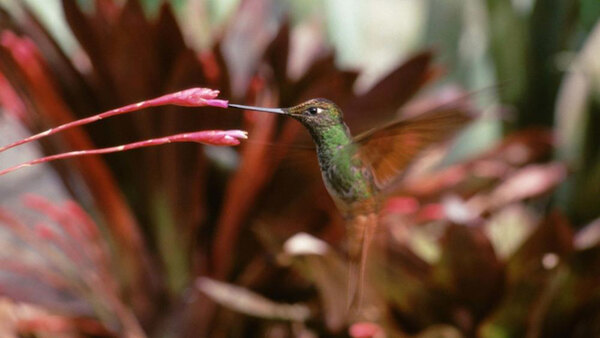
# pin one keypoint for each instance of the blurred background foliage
(498, 238)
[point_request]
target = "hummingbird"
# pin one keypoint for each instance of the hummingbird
(358, 171)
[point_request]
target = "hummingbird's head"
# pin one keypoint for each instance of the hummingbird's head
(316, 112)
(313, 113)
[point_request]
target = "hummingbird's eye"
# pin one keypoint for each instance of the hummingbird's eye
(313, 110)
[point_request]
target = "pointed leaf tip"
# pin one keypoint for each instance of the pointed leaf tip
(305, 244)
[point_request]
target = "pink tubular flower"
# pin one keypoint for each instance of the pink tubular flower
(194, 97)
(216, 137)
(211, 137)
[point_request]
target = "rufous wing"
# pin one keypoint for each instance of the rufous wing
(389, 150)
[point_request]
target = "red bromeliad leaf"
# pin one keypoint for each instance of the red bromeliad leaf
(474, 281)
(250, 303)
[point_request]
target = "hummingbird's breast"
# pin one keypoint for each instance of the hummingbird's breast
(348, 182)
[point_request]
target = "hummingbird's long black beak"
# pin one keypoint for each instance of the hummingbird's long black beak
(266, 110)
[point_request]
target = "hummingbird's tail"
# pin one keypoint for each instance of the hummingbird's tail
(361, 229)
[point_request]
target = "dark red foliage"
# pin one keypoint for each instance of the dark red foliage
(179, 212)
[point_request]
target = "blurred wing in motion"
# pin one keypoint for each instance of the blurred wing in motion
(389, 150)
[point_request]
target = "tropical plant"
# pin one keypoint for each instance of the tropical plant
(189, 240)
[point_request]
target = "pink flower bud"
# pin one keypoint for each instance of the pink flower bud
(213, 137)
(193, 97)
